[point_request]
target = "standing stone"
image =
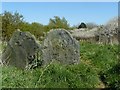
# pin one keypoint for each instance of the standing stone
(61, 46)
(20, 50)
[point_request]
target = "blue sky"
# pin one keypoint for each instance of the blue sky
(97, 12)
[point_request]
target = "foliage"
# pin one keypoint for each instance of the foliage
(35, 28)
(10, 22)
(57, 22)
(14, 21)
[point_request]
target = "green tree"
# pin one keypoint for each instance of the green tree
(57, 22)
(10, 22)
(37, 29)
(24, 26)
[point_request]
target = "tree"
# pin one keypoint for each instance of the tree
(57, 22)
(10, 22)
(24, 26)
(37, 29)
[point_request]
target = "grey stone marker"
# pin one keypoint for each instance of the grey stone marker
(61, 46)
(20, 50)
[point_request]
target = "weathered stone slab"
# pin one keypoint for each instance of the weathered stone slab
(20, 50)
(61, 46)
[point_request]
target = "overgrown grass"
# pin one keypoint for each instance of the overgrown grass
(104, 58)
(98, 68)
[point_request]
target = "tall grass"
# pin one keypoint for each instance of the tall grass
(95, 70)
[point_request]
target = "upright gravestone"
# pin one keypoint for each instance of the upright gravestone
(61, 46)
(21, 49)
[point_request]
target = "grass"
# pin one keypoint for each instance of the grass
(98, 68)
(54, 76)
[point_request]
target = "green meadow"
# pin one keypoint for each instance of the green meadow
(99, 67)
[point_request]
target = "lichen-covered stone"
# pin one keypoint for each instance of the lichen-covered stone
(61, 46)
(20, 50)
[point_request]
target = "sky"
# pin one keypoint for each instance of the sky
(74, 12)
